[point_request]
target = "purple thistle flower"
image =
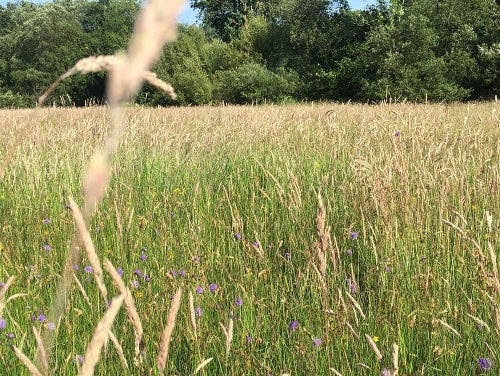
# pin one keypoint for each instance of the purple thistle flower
(47, 247)
(237, 236)
(42, 318)
(182, 273)
(147, 278)
(119, 271)
(198, 311)
(76, 267)
(143, 257)
(10, 335)
(3, 323)
(199, 290)
(249, 339)
(238, 302)
(256, 244)
(2, 285)
(46, 221)
(213, 287)
(138, 273)
(397, 134)
(135, 283)
(317, 342)
(293, 325)
(353, 235)
(385, 372)
(349, 252)
(88, 269)
(485, 363)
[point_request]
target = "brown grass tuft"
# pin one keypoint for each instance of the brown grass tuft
(167, 332)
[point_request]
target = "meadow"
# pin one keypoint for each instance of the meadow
(312, 239)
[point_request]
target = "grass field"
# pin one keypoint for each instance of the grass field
(305, 227)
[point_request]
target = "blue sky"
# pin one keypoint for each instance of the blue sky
(188, 15)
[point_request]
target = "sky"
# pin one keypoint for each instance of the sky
(188, 15)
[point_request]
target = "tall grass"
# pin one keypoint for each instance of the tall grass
(232, 196)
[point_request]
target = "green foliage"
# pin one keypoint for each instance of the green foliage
(253, 83)
(11, 100)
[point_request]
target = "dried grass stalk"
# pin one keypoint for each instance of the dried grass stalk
(192, 314)
(480, 322)
(167, 332)
(82, 290)
(3, 291)
(89, 247)
(395, 361)
(42, 354)
(95, 181)
(129, 303)
(335, 372)
(155, 25)
(355, 303)
(93, 352)
(28, 363)
(118, 348)
(494, 264)
(228, 333)
(202, 365)
(374, 347)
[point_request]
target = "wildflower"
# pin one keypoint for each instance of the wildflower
(182, 273)
(237, 236)
(287, 255)
(198, 311)
(46, 221)
(42, 317)
(293, 325)
(269, 246)
(375, 339)
(47, 247)
(353, 235)
(89, 269)
(213, 287)
(138, 273)
(249, 339)
(143, 257)
(195, 259)
(238, 301)
(3, 323)
(485, 363)
(387, 269)
(385, 372)
(352, 285)
(397, 134)
(135, 283)
(2, 284)
(51, 326)
(199, 290)
(256, 244)
(173, 273)
(119, 271)
(349, 252)
(146, 278)
(76, 267)
(317, 342)
(10, 335)
(80, 359)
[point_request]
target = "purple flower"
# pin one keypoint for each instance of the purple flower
(42, 318)
(146, 278)
(198, 311)
(10, 335)
(213, 287)
(119, 271)
(173, 273)
(317, 342)
(51, 326)
(2, 285)
(249, 339)
(182, 273)
(143, 257)
(80, 359)
(47, 247)
(349, 252)
(385, 372)
(485, 363)
(287, 255)
(256, 244)
(3, 323)
(387, 268)
(195, 259)
(237, 236)
(88, 269)
(76, 267)
(46, 221)
(138, 273)
(353, 235)
(135, 283)
(293, 325)
(352, 285)
(269, 246)
(199, 290)
(397, 134)
(238, 302)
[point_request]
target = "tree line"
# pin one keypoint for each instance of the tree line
(251, 51)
